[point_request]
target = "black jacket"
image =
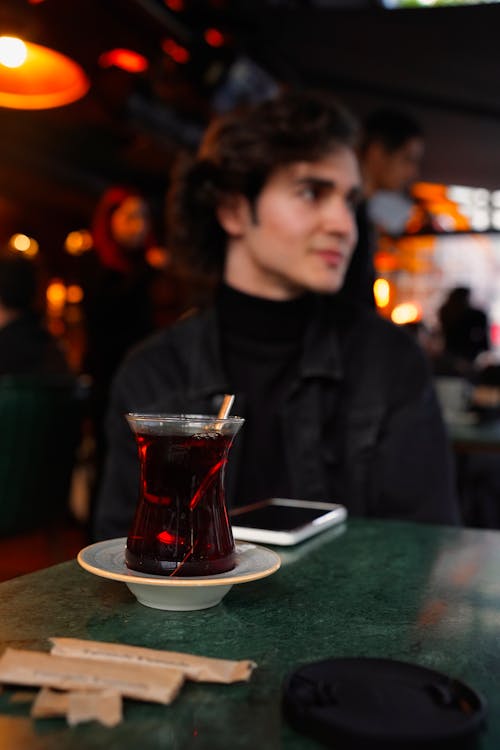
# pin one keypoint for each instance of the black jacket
(362, 423)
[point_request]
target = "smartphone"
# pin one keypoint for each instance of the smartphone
(284, 522)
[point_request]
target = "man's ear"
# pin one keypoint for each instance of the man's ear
(234, 215)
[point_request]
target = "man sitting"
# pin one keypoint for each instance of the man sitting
(338, 403)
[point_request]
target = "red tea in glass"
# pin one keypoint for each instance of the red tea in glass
(181, 525)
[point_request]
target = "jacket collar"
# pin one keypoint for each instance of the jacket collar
(203, 363)
(206, 377)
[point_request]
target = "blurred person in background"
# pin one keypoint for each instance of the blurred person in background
(130, 293)
(390, 153)
(119, 300)
(338, 403)
(391, 150)
(26, 346)
(465, 329)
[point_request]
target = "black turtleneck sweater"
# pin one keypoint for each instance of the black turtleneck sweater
(261, 343)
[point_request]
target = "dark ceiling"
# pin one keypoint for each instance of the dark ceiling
(441, 64)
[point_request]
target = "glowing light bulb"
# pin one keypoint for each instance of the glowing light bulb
(214, 37)
(406, 312)
(21, 243)
(382, 292)
(74, 294)
(56, 296)
(126, 59)
(13, 52)
(78, 242)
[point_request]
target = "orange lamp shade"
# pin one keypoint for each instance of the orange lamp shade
(45, 79)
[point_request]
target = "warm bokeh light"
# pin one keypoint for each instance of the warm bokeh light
(56, 326)
(214, 37)
(78, 242)
(21, 243)
(386, 259)
(381, 292)
(451, 208)
(175, 51)
(175, 5)
(125, 59)
(406, 312)
(13, 51)
(56, 296)
(74, 294)
(157, 257)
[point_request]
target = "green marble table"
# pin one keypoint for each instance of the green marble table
(425, 594)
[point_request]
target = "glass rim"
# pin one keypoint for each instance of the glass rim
(183, 418)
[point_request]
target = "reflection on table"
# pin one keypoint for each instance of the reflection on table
(425, 594)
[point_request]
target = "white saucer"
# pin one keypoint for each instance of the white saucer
(107, 560)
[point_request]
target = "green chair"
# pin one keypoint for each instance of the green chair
(39, 435)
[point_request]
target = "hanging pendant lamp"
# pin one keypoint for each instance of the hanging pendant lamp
(36, 77)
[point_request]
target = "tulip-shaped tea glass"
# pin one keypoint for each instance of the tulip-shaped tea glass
(181, 527)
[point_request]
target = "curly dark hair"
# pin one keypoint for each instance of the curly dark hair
(237, 156)
(392, 128)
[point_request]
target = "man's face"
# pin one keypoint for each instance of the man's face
(398, 169)
(130, 223)
(302, 232)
